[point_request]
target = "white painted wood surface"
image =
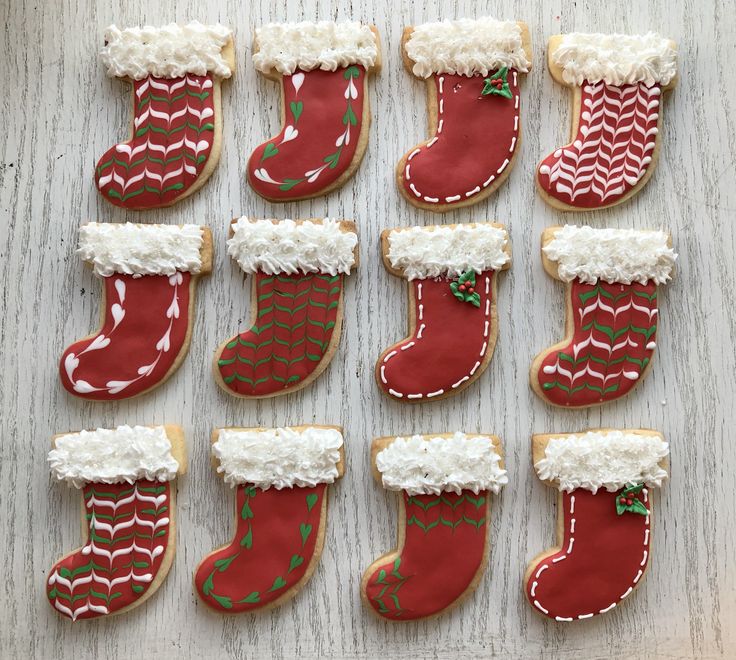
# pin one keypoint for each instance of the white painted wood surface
(60, 113)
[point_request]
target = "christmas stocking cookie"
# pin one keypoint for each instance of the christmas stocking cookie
(612, 277)
(150, 274)
(299, 269)
(323, 69)
(617, 81)
(126, 476)
(177, 115)
(281, 478)
(445, 482)
(453, 325)
(605, 479)
(473, 69)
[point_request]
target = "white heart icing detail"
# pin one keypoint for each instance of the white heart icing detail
(297, 80)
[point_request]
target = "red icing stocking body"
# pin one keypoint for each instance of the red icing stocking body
(298, 273)
(129, 546)
(446, 485)
(146, 324)
(175, 143)
(604, 534)
(325, 108)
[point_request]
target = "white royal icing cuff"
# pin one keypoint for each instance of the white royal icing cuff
(166, 52)
(287, 47)
(430, 467)
(617, 59)
(606, 459)
(278, 458)
(466, 47)
(112, 456)
(292, 247)
(132, 249)
(613, 255)
(423, 252)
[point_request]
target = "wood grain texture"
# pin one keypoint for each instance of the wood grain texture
(60, 113)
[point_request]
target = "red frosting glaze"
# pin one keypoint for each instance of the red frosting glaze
(444, 549)
(128, 541)
(296, 319)
(323, 118)
(612, 150)
(612, 343)
(173, 133)
(142, 336)
(449, 345)
(602, 559)
(275, 544)
(474, 143)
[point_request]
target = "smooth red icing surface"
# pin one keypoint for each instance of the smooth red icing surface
(128, 538)
(173, 133)
(442, 553)
(613, 325)
(477, 138)
(155, 307)
(608, 557)
(617, 133)
(282, 526)
(292, 332)
(451, 337)
(299, 168)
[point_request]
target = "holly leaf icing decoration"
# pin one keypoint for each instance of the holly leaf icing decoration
(627, 501)
(497, 84)
(464, 289)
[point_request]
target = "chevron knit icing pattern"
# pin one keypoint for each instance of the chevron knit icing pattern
(613, 147)
(128, 536)
(173, 133)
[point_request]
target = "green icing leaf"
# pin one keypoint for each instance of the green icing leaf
(222, 564)
(296, 561)
(252, 597)
(278, 583)
(247, 541)
(497, 84)
(630, 494)
(467, 281)
(305, 530)
(270, 151)
(296, 110)
(311, 500)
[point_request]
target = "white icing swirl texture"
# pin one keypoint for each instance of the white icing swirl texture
(613, 255)
(329, 46)
(422, 466)
(608, 459)
(112, 456)
(617, 59)
(292, 247)
(466, 47)
(170, 51)
(278, 458)
(133, 249)
(436, 251)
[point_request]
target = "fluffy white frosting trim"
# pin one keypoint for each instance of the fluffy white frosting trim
(467, 47)
(112, 456)
(436, 251)
(608, 459)
(278, 458)
(170, 51)
(612, 255)
(292, 247)
(137, 250)
(435, 465)
(287, 47)
(617, 59)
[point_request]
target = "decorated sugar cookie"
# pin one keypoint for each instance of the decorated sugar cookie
(617, 83)
(281, 478)
(150, 274)
(126, 476)
(453, 325)
(299, 269)
(473, 70)
(446, 482)
(323, 69)
(606, 480)
(612, 277)
(176, 73)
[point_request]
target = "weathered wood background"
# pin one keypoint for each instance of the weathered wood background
(60, 113)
